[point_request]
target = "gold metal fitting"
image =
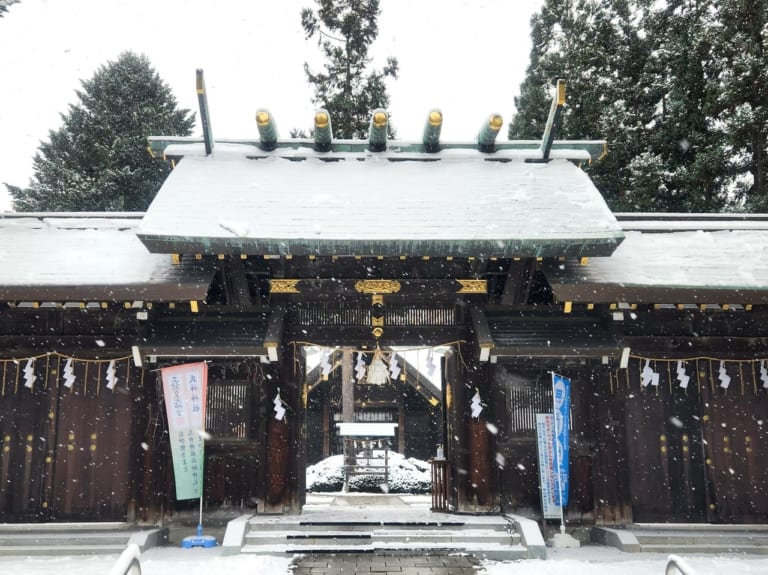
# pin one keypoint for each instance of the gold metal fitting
(262, 118)
(561, 92)
(495, 122)
(379, 119)
(377, 332)
(321, 120)
(435, 118)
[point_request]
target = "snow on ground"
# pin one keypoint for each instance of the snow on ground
(157, 561)
(594, 560)
(597, 560)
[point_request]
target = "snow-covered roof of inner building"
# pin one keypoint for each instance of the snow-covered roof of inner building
(96, 257)
(723, 266)
(367, 429)
(454, 203)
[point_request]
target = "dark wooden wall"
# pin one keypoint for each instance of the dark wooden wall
(67, 453)
(682, 455)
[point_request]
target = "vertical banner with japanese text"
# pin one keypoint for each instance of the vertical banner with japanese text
(561, 391)
(545, 440)
(184, 387)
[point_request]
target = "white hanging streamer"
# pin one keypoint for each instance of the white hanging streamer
(648, 376)
(431, 362)
(325, 364)
(725, 379)
(111, 376)
(69, 374)
(360, 366)
(764, 374)
(682, 377)
(279, 409)
(476, 404)
(394, 368)
(29, 373)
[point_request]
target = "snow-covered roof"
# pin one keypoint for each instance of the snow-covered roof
(82, 256)
(725, 266)
(459, 203)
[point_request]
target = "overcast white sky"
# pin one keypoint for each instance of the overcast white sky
(467, 57)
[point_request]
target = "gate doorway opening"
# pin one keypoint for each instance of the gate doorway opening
(398, 390)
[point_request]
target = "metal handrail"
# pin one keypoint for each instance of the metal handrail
(128, 562)
(676, 565)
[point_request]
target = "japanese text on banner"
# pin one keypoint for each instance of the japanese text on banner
(185, 388)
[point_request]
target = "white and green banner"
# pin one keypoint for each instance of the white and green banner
(184, 387)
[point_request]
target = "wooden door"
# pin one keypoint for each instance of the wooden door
(664, 449)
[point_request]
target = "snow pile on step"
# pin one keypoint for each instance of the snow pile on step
(406, 475)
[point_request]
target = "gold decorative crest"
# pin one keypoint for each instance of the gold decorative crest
(377, 286)
(473, 286)
(377, 321)
(283, 286)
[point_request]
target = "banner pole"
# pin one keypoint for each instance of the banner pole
(200, 521)
(557, 460)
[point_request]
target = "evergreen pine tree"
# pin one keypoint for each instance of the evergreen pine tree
(678, 89)
(98, 159)
(345, 30)
(739, 108)
(4, 6)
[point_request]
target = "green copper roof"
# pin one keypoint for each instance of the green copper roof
(452, 203)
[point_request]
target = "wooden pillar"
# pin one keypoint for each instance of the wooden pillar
(400, 424)
(326, 427)
(480, 488)
(347, 387)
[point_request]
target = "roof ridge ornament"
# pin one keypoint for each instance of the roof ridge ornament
(377, 133)
(267, 129)
(486, 139)
(553, 121)
(323, 131)
(205, 118)
(431, 137)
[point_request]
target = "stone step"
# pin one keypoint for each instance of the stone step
(699, 538)
(56, 550)
(76, 539)
(260, 525)
(481, 550)
(724, 547)
(102, 526)
(385, 536)
(48, 539)
(301, 537)
(457, 536)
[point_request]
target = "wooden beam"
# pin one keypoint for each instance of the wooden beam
(273, 336)
(411, 150)
(482, 331)
(202, 102)
(553, 121)
(235, 282)
(517, 286)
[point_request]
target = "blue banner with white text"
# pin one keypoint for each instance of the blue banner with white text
(561, 391)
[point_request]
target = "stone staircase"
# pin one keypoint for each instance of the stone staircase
(686, 538)
(35, 539)
(399, 530)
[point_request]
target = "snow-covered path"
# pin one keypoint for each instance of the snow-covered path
(591, 560)
(157, 561)
(595, 560)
